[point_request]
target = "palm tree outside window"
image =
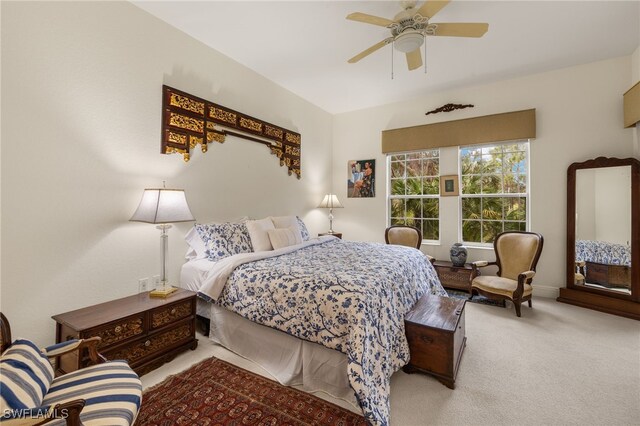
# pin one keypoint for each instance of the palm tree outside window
(414, 191)
(494, 190)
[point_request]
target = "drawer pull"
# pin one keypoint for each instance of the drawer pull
(118, 329)
(173, 311)
(458, 312)
(147, 343)
(426, 339)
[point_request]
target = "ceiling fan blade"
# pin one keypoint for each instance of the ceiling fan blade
(414, 59)
(460, 29)
(431, 7)
(369, 19)
(369, 51)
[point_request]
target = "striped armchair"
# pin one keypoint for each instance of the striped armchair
(105, 393)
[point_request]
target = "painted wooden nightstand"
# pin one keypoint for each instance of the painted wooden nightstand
(457, 277)
(145, 331)
(335, 234)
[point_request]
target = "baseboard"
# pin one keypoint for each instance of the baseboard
(545, 291)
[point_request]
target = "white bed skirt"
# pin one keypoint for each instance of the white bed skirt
(291, 361)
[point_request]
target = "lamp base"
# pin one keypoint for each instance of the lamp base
(163, 292)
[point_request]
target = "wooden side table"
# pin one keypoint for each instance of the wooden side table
(145, 331)
(335, 234)
(456, 277)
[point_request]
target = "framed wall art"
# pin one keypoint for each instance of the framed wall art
(449, 186)
(361, 178)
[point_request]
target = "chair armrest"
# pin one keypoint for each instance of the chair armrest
(76, 345)
(527, 275)
(479, 264)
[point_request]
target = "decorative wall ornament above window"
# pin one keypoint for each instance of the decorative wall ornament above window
(189, 121)
(448, 108)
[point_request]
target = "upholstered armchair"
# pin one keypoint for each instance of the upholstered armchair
(517, 255)
(104, 393)
(403, 235)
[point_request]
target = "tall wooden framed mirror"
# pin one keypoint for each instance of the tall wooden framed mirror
(603, 236)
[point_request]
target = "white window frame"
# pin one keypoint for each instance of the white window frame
(420, 196)
(527, 195)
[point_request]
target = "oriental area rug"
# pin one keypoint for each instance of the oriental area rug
(463, 295)
(215, 392)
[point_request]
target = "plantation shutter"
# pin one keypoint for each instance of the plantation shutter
(507, 126)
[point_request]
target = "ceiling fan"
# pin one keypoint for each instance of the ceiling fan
(410, 27)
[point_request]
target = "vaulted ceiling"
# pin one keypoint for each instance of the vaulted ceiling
(304, 45)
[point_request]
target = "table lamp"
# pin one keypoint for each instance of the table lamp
(163, 206)
(330, 201)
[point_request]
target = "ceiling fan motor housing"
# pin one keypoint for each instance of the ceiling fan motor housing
(409, 41)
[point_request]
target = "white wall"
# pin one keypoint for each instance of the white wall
(579, 116)
(586, 205)
(81, 104)
(613, 204)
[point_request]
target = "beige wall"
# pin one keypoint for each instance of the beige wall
(579, 116)
(81, 102)
(603, 204)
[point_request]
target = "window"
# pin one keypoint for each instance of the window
(414, 191)
(495, 188)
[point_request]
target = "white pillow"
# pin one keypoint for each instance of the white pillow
(284, 221)
(197, 248)
(284, 237)
(287, 222)
(258, 233)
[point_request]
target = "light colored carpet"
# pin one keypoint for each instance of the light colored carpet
(557, 365)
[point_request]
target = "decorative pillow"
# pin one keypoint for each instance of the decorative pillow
(284, 237)
(258, 234)
(224, 239)
(25, 376)
(304, 232)
(197, 248)
(286, 222)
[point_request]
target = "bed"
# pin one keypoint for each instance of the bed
(326, 314)
(606, 264)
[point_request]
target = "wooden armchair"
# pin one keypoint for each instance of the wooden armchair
(517, 255)
(403, 235)
(105, 393)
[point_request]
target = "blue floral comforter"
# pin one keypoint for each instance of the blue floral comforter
(603, 252)
(347, 296)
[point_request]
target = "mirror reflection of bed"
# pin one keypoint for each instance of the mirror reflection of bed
(603, 228)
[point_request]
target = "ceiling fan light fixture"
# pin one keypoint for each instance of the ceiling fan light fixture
(408, 41)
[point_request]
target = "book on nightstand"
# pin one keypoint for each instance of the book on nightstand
(162, 293)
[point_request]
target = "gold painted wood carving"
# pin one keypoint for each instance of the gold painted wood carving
(189, 121)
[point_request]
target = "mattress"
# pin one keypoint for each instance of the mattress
(191, 276)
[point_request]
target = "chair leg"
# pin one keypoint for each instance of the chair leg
(470, 293)
(529, 301)
(516, 304)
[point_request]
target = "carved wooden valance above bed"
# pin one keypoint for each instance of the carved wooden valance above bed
(189, 121)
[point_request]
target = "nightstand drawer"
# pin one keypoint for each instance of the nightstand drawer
(169, 314)
(150, 345)
(119, 331)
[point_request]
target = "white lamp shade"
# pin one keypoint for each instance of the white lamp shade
(330, 201)
(163, 206)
